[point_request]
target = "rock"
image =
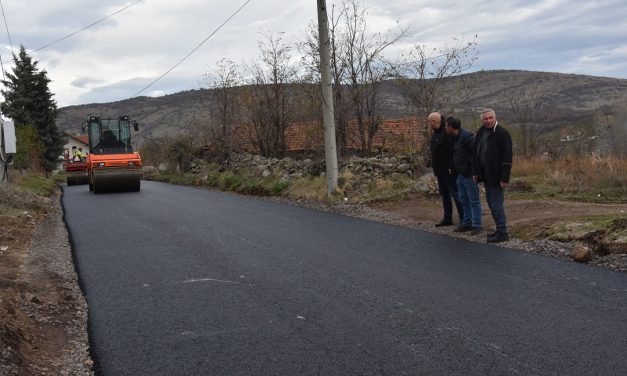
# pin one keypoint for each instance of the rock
(396, 176)
(387, 168)
(409, 173)
(148, 171)
(265, 173)
(581, 253)
(403, 168)
(286, 161)
(163, 167)
(426, 183)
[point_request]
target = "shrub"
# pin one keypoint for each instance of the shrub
(279, 186)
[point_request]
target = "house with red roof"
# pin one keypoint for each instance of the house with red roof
(78, 140)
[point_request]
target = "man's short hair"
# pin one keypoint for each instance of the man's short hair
(488, 110)
(453, 122)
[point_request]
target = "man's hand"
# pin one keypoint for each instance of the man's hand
(474, 178)
(504, 184)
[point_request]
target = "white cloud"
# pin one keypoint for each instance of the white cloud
(119, 56)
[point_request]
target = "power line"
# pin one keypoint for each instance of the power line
(84, 28)
(70, 116)
(194, 50)
(6, 25)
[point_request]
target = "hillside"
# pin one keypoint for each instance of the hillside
(568, 99)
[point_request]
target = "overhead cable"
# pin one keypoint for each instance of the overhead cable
(86, 27)
(194, 50)
(6, 25)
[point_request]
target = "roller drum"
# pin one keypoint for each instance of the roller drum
(116, 180)
(77, 178)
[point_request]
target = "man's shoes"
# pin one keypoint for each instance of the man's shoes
(443, 223)
(498, 237)
(492, 234)
(463, 228)
(476, 231)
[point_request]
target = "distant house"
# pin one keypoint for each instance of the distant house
(80, 140)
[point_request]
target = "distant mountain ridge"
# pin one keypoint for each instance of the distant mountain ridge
(571, 99)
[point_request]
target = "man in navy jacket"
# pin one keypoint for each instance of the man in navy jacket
(467, 190)
(493, 165)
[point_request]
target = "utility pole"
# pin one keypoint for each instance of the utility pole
(330, 148)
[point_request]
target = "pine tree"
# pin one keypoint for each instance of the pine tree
(28, 101)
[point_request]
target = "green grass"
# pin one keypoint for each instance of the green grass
(38, 185)
(228, 181)
(581, 228)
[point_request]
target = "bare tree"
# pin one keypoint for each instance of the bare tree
(224, 105)
(525, 104)
(358, 68)
(270, 106)
(424, 72)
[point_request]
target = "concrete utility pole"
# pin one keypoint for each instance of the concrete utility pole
(330, 148)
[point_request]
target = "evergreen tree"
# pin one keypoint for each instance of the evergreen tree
(28, 101)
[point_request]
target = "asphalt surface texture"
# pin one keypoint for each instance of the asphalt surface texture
(185, 281)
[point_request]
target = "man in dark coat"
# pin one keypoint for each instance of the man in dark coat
(493, 165)
(467, 189)
(442, 163)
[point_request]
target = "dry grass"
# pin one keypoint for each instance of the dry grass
(587, 177)
(308, 188)
(29, 191)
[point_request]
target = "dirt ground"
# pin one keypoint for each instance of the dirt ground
(43, 315)
(520, 212)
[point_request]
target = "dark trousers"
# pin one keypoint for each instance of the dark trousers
(447, 185)
(495, 196)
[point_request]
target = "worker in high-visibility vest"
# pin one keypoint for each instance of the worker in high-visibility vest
(77, 154)
(82, 155)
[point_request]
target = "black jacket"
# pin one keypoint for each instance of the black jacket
(498, 156)
(464, 152)
(441, 152)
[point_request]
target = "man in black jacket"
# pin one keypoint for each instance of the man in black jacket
(467, 189)
(442, 163)
(493, 164)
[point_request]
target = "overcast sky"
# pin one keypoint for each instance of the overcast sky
(118, 57)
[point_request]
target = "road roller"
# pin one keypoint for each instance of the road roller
(113, 165)
(75, 172)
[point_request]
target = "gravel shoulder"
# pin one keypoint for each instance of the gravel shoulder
(43, 320)
(422, 212)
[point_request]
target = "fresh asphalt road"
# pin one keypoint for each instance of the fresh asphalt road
(184, 281)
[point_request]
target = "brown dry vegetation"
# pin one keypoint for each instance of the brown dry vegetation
(587, 177)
